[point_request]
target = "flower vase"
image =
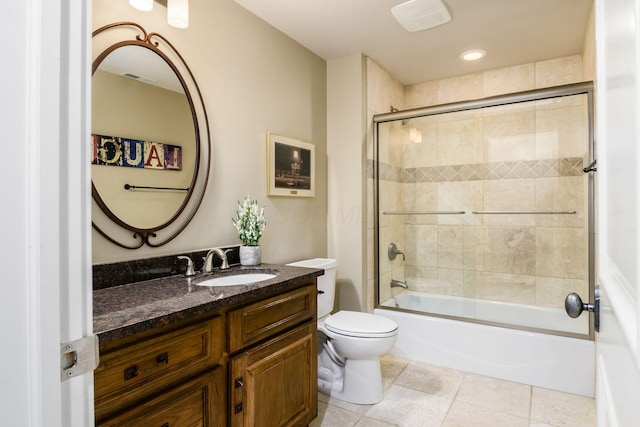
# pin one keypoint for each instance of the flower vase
(250, 255)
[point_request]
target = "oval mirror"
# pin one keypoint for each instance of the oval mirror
(150, 138)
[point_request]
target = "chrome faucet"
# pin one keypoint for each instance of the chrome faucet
(399, 284)
(208, 260)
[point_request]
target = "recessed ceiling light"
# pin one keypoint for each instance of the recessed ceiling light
(473, 54)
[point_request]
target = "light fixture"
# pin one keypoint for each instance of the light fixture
(143, 5)
(177, 10)
(178, 13)
(415, 135)
(473, 54)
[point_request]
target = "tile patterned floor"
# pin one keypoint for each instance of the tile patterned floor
(423, 395)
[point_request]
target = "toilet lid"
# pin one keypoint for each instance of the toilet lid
(356, 324)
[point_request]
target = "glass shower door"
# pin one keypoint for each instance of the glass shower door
(491, 209)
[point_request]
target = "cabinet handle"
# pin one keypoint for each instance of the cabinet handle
(165, 425)
(238, 408)
(239, 382)
(162, 359)
(130, 372)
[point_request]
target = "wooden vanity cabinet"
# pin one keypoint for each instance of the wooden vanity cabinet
(251, 366)
(273, 363)
(172, 379)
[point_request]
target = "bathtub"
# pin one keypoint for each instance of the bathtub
(538, 359)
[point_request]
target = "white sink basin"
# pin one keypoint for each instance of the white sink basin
(236, 279)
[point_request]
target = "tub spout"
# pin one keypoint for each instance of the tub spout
(399, 284)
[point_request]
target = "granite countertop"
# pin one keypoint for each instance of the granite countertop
(125, 310)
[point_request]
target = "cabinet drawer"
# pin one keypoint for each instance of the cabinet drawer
(134, 372)
(198, 402)
(261, 320)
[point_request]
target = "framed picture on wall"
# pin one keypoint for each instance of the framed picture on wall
(290, 167)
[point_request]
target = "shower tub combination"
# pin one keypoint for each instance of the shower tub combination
(493, 212)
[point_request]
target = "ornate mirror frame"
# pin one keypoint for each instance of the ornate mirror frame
(106, 40)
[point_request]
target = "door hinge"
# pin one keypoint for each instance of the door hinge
(78, 357)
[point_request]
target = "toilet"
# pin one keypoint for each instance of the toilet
(350, 343)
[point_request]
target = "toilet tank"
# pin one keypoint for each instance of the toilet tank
(326, 282)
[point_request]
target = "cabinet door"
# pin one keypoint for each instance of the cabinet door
(199, 402)
(275, 384)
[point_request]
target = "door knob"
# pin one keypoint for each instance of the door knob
(574, 306)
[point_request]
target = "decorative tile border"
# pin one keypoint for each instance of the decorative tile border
(481, 171)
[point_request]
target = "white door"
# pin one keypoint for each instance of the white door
(45, 220)
(618, 148)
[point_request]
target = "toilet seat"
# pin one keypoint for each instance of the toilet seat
(364, 325)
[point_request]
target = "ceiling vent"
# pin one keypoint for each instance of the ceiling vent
(138, 78)
(419, 15)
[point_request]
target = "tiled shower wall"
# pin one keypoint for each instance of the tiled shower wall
(519, 158)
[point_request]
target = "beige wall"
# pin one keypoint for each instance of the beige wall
(254, 79)
(346, 131)
(589, 48)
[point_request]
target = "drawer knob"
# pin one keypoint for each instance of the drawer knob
(162, 359)
(238, 408)
(239, 382)
(165, 425)
(130, 372)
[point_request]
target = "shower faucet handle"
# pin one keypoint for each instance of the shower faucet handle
(393, 251)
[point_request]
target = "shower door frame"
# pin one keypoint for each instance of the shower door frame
(583, 88)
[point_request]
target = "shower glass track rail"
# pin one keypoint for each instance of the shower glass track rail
(423, 213)
(479, 212)
(524, 213)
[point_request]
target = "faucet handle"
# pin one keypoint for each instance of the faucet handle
(393, 251)
(190, 271)
(225, 261)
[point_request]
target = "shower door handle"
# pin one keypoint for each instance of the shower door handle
(574, 307)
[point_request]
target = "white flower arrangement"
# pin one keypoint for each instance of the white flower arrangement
(249, 222)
